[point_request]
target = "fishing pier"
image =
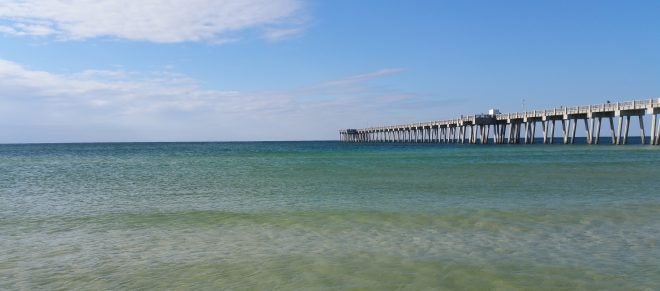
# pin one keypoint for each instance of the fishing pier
(521, 127)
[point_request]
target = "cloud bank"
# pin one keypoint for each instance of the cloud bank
(152, 20)
(117, 105)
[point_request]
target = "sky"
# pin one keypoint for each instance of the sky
(244, 70)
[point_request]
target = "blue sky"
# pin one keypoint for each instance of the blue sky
(206, 70)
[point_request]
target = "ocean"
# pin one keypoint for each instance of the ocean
(329, 216)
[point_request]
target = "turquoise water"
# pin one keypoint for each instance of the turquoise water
(326, 215)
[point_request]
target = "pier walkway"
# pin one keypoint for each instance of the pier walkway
(520, 127)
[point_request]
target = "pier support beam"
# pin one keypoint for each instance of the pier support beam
(503, 133)
(487, 132)
(471, 134)
(600, 121)
(515, 133)
(526, 132)
(641, 128)
(565, 123)
(657, 130)
(653, 129)
(625, 135)
(468, 134)
(465, 136)
(552, 133)
(482, 131)
(586, 127)
(591, 131)
(461, 134)
(618, 138)
(475, 139)
(574, 129)
(614, 139)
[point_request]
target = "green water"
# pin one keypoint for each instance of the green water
(325, 215)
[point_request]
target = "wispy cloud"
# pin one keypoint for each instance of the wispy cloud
(277, 34)
(166, 105)
(151, 20)
(362, 77)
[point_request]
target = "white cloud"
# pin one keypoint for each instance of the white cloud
(158, 21)
(119, 105)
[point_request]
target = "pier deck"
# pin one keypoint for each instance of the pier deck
(520, 127)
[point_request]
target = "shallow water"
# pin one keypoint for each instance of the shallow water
(326, 215)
